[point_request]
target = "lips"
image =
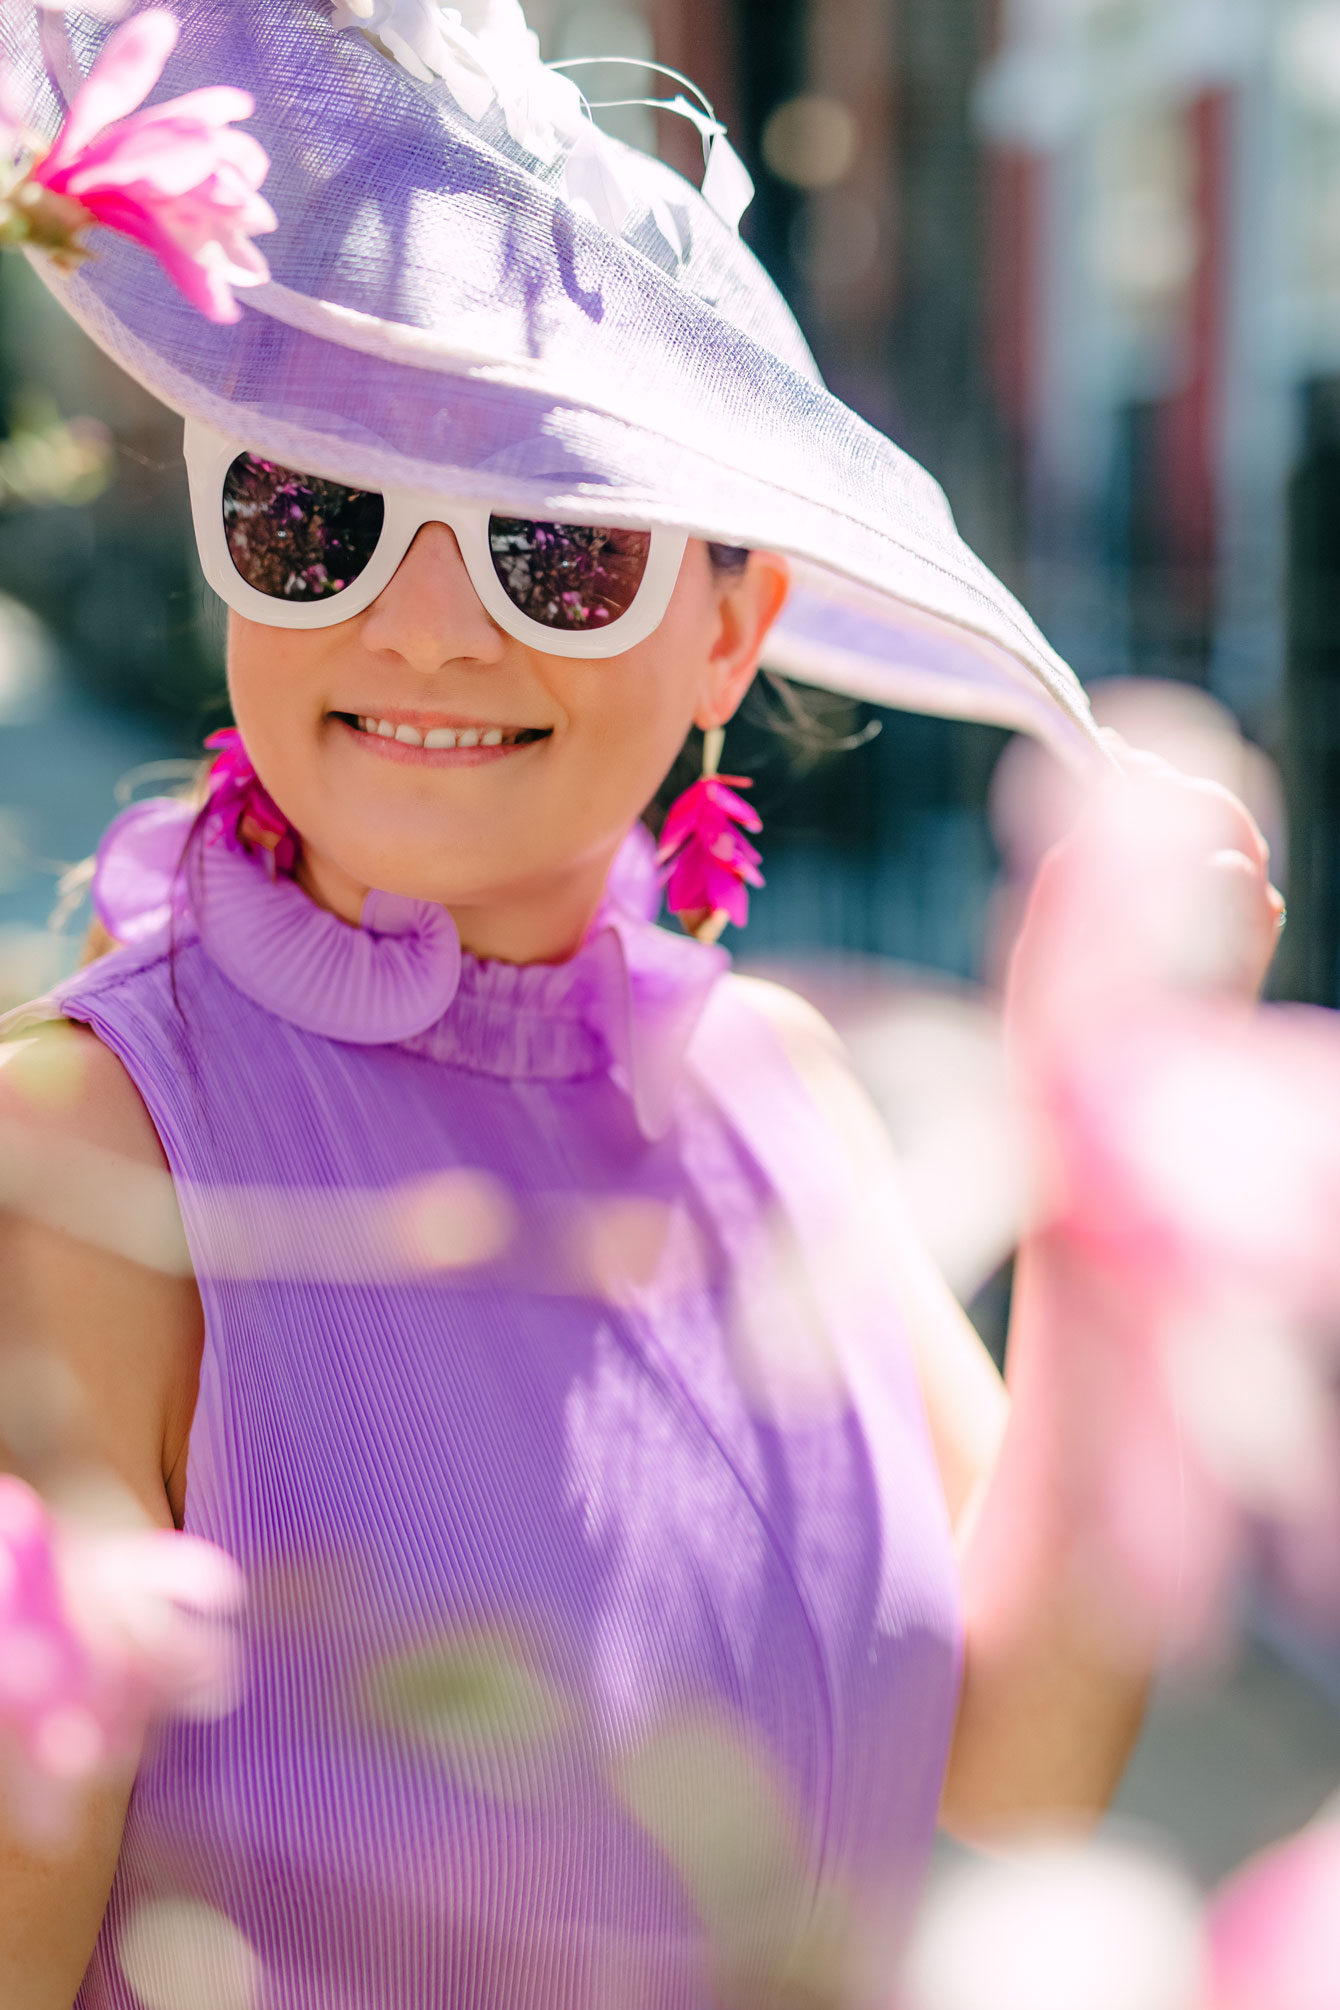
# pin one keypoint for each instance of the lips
(427, 735)
(442, 739)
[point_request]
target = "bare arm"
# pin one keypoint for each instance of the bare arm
(52, 1900)
(1063, 1640)
(99, 1355)
(1049, 1715)
(1055, 1683)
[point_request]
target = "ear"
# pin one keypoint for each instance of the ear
(746, 610)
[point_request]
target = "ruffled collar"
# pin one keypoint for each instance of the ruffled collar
(627, 1003)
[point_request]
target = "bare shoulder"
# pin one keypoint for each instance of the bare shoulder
(800, 1026)
(100, 1293)
(60, 1078)
(965, 1400)
(819, 1056)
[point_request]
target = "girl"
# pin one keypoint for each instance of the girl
(640, 1554)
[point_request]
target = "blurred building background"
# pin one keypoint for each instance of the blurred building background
(1082, 258)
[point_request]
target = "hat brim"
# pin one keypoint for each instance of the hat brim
(441, 317)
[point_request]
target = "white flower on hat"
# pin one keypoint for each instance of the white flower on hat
(485, 54)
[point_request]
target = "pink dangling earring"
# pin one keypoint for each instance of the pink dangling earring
(710, 861)
(247, 813)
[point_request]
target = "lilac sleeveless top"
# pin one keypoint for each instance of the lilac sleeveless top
(602, 1639)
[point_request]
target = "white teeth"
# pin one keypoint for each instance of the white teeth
(441, 739)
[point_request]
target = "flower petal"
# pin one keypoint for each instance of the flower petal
(173, 178)
(131, 62)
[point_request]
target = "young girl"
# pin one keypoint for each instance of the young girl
(555, 1357)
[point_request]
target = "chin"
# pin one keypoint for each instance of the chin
(416, 876)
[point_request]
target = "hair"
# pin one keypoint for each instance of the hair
(728, 560)
(811, 724)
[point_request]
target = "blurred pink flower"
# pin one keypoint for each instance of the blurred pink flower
(101, 10)
(710, 860)
(1274, 1929)
(1186, 1272)
(173, 177)
(100, 1633)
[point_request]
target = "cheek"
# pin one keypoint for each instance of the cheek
(273, 687)
(632, 719)
(642, 705)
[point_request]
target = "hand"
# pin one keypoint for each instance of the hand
(1162, 888)
(1147, 936)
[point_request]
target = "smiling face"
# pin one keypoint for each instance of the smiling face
(514, 827)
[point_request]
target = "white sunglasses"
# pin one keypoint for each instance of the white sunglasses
(297, 551)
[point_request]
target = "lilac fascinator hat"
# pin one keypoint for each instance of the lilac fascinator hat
(476, 293)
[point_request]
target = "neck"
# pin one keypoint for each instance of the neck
(546, 924)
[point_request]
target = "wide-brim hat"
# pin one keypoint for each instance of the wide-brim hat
(450, 310)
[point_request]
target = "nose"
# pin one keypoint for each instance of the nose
(430, 615)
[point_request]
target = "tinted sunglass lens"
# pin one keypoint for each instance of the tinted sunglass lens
(568, 577)
(297, 537)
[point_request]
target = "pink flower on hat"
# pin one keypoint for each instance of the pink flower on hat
(710, 860)
(173, 177)
(100, 1633)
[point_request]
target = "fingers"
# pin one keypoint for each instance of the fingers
(1244, 915)
(1230, 818)
(1162, 887)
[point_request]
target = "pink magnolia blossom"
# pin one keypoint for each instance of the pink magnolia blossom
(99, 1633)
(101, 10)
(1274, 1929)
(244, 809)
(1187, 1273)
(173, 177)
(710, 860)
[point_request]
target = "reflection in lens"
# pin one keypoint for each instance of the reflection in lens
(296, 537)
(568, 576)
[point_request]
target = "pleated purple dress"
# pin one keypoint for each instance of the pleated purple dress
(602, 1638)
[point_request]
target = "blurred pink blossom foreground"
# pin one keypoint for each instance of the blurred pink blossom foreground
(100, 1633)
(1274, 1929)
(1188, 1273)
(1061, 1924)
(173, 177)
(101, 10)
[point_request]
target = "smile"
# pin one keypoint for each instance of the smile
(398, 734)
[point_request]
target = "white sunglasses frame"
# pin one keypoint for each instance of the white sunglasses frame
(210, 454)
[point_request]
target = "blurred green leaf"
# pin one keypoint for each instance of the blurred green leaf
(50, 459)
(709, 1797)
(477, 1691)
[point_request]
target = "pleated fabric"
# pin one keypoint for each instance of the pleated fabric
(602, 1638)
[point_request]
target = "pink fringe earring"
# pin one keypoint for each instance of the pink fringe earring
(247, 813)
(711, 862)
